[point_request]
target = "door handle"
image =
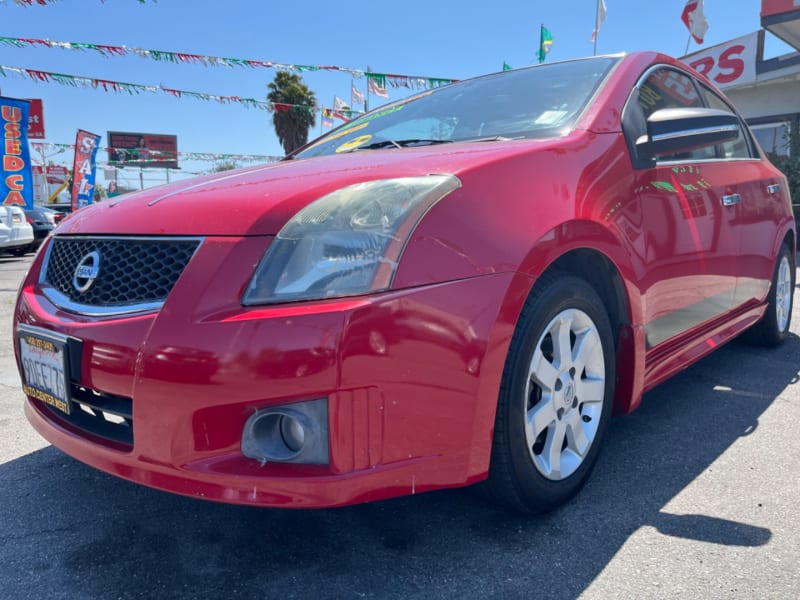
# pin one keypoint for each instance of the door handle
(731, 199)
(774, 188)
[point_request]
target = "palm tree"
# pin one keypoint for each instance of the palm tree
(292, 123)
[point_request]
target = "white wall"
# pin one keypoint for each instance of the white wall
(767, 99)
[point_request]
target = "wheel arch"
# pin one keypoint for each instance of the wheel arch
(789, 239)
(611, 262)
(599, 271)
(592, 253)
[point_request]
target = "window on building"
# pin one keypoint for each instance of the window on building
(773, 138)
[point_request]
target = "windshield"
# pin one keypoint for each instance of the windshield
(535, 102)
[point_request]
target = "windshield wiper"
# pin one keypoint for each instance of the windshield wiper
(402, 143)
(491, 138)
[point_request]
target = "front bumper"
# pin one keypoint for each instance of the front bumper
(410, 377)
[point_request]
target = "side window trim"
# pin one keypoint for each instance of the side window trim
(752, 148)
(633, 118)
(634, 126)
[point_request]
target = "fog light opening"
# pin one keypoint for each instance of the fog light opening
(296, 433)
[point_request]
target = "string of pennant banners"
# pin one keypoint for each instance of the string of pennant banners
(136, 88)
(206, 156)
(109, 85)
(46, 2)
(379, 80)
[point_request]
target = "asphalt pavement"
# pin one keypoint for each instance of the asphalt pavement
(695, 496)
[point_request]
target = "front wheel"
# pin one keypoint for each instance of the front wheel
(555, 398)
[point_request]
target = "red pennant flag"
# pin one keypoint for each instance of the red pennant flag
(695, 20)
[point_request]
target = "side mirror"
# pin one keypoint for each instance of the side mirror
(679, 130)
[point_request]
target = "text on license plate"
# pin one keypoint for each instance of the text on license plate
(44, 370)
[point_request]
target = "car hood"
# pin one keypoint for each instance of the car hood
(260, 200)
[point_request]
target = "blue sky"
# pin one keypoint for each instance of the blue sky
(412, 37)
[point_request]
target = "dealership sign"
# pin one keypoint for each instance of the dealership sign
(36, 120)
(131, 149)
(776, 7)
(48, 182)
(730, 64)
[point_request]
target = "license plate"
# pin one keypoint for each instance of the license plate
(45, 373)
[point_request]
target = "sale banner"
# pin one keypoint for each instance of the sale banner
(16, 177)
(84, 168)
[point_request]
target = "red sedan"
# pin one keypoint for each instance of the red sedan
(457, 287)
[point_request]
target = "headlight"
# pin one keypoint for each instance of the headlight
(347, 242)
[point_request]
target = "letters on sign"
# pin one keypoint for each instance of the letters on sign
(731, 63)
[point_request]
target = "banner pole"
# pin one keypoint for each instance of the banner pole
(366, 97)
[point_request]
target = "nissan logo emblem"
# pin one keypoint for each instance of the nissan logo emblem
(86, 272)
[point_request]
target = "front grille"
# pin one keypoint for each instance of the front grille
(129, 273)
(106, 417)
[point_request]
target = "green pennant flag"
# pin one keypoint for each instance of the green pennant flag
(545, 41)
(506, 66)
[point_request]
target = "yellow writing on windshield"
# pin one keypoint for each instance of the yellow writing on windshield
(354, 143)
(338, 134)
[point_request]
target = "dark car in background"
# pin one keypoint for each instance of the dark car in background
(60, 210)
(43, 221)
(54, 212)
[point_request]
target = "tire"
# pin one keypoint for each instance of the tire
(773, 327)
(566, 395)
(20, 251)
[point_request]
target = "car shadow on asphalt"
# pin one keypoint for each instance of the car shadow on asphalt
(87, 534)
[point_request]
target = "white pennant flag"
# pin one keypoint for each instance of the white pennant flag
(601, 17)
(356, 97)
(339, 104)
